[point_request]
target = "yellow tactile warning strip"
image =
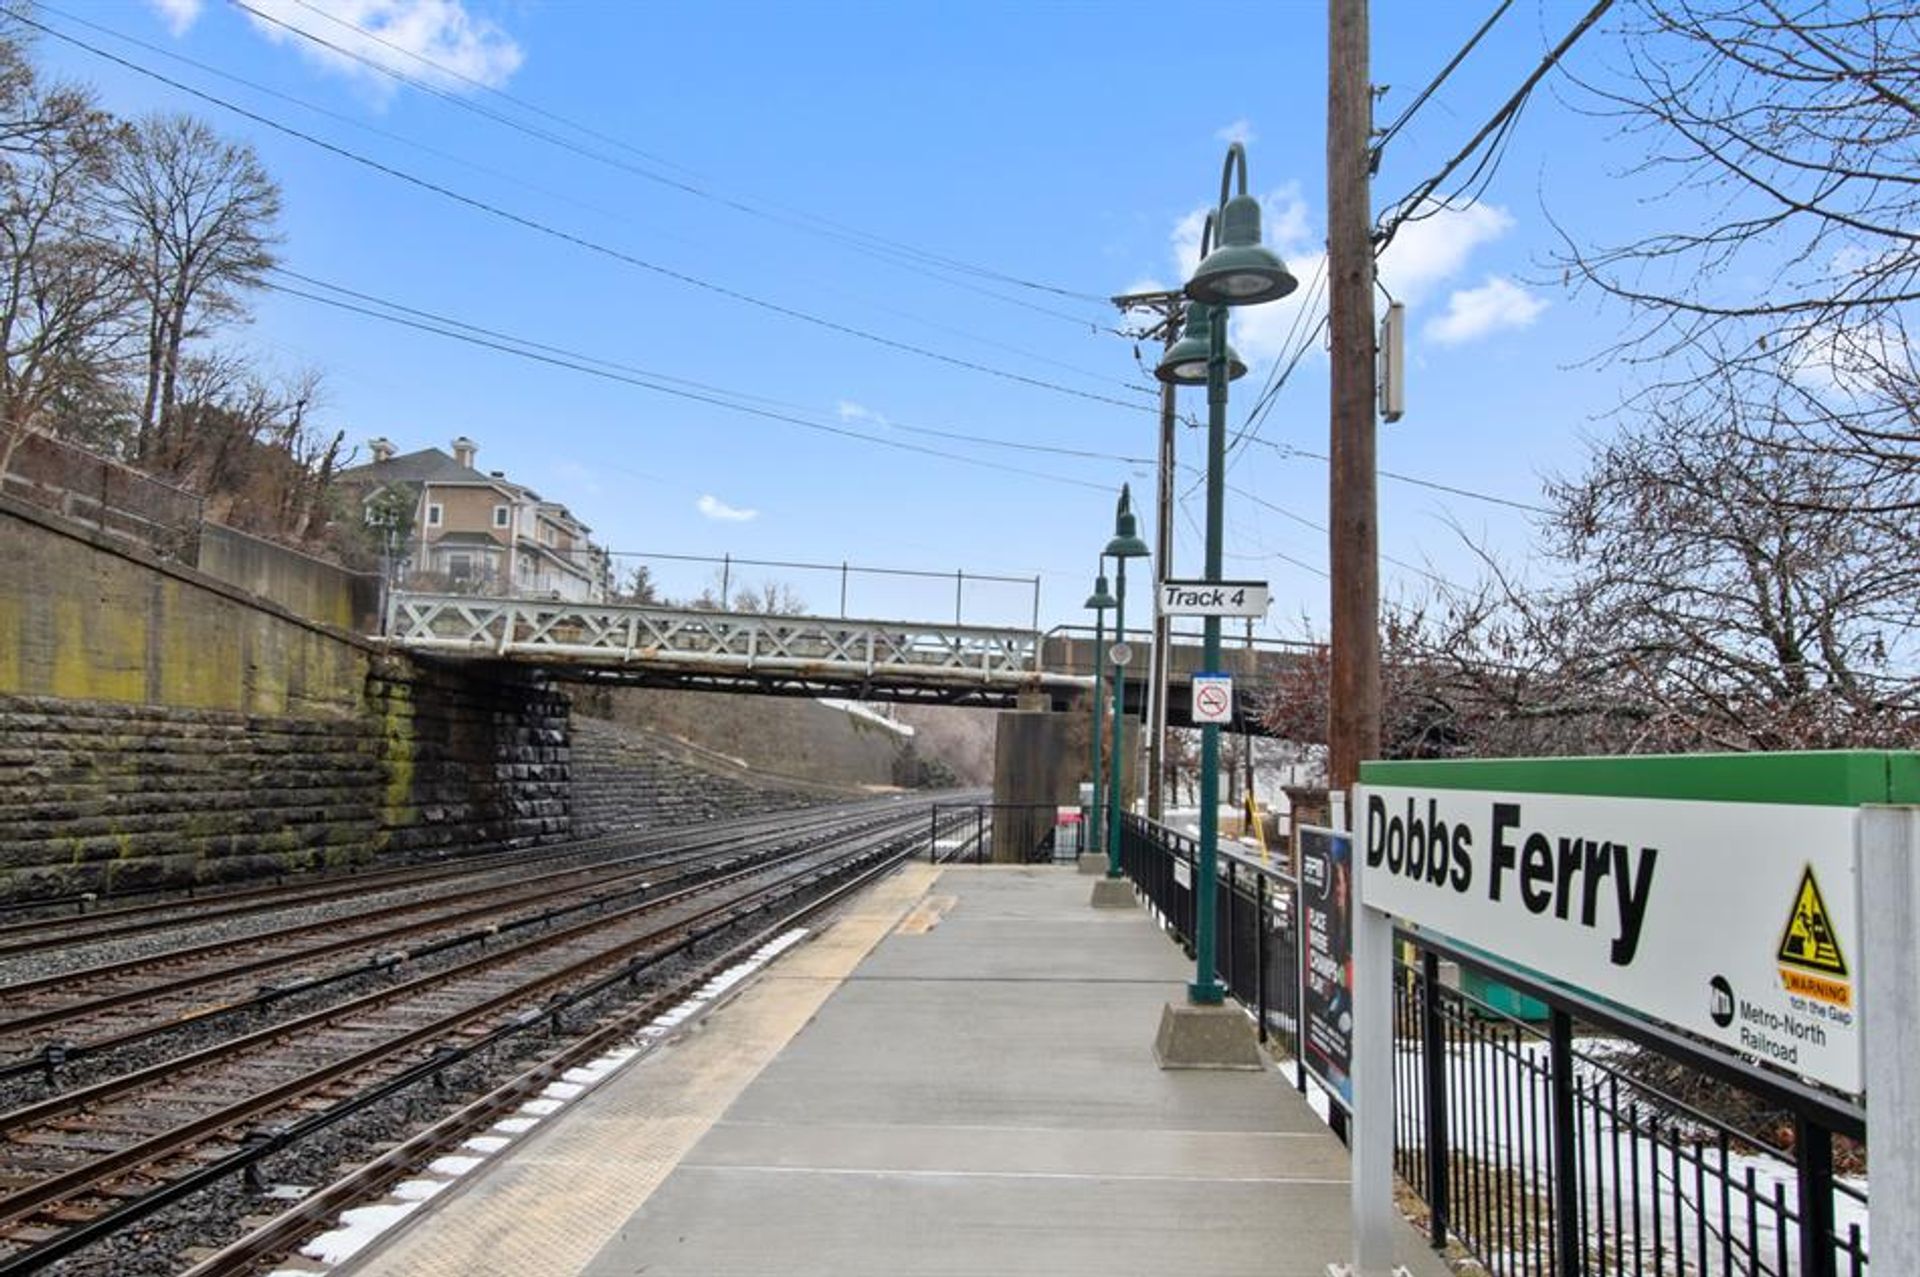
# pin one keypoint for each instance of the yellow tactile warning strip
(548, 1206)
(926, 915)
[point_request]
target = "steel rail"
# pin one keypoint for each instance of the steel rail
(25, 1201)
(285, 1231)
(196, 909)
(596, 893)
(241, 1159)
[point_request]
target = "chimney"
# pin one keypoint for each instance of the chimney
(381, 448)
(464, 450)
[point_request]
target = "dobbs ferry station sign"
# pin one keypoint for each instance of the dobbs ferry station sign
(1718, 894)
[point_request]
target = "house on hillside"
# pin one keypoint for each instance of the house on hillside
(466, 532)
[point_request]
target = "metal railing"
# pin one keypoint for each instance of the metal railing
(728, 582)
(622, 633)
(117, 500)
(1001, 833)
(1543, 1158)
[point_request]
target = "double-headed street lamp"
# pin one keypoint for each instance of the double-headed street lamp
(1100, 600)
(1235, 269)
(1126, 544)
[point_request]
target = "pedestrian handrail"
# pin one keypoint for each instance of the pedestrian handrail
(627, 632)
(1508, 1131)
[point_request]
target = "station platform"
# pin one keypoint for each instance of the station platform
(955, 1077)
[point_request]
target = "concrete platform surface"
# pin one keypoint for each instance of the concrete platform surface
(977, 1096)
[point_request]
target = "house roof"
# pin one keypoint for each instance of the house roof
(429, 465)
(466, 538)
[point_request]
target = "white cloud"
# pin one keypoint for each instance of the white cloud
(848, 410)
(1472, 313)
(714, 508)
(178, 14)
(1430, 251)
(402, 35)
(1241, 131)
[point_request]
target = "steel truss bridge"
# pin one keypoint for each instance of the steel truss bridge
(646, 645)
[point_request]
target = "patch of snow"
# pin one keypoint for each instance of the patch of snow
(456, 1165)
(357, 1228)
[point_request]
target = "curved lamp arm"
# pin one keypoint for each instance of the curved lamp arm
(1236, 157)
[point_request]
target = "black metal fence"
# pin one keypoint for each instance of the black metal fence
(1002, 833)
(1537, 1146)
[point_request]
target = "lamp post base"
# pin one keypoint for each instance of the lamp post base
(1206, 1037)
(1093, 862)
(1210, 994)
(1113, 893)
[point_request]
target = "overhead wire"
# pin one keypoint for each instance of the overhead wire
(892, 250)
(1413, 205)
(618, 366)
(610, 374)
(580, 241)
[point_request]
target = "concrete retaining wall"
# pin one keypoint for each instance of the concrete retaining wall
(795, 738)
(304, 585)
(159, 725)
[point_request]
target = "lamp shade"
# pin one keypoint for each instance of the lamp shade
(1185, 363)
(1240, 271)
(1102, 598)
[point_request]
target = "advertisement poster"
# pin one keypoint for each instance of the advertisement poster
(1326, 890)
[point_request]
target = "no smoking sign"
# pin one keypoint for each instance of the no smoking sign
(1212, 698)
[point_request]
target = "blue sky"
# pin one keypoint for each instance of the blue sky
(1059, 151)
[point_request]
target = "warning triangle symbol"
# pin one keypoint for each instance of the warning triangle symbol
(1809, 942)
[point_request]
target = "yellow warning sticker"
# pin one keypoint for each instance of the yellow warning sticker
(1809, 942)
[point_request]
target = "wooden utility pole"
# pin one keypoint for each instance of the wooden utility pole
(1353, 729)
(1169, 310)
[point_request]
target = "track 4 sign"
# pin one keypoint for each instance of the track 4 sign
(1213, 598)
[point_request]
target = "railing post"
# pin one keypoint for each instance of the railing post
(1813, 1167)
(726, 582)
(1260, 953)
(1566, 1163)
(1433, 1043)
(933, 835)
(843, 587)
(959, 583)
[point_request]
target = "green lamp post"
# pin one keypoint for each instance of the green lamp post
(1100, 600)
(1237, 270)
(1126, 544)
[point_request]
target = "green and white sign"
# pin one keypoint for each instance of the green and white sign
(1718, 894)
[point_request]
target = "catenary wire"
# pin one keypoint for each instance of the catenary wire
(579, 241)
(890, 250)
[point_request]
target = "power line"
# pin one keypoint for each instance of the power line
(1387, 134)
(578, 241)
(892, 250)
(1502, 120)
(654, 375)
(456, 333)
(1288, 450)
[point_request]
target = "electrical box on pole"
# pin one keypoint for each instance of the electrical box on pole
(1393, 363)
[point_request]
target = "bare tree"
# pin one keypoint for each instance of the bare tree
(200, 212)
(63, 296)
(1781, 141)
(1720, 584)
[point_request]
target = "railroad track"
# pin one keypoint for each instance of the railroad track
(75, 1164)
(81, 920)
(54, 1021)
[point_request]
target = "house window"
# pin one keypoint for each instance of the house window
(434, 516)
(459, 566)
(502, 516)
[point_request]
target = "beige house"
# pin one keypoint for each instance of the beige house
(478, 533)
